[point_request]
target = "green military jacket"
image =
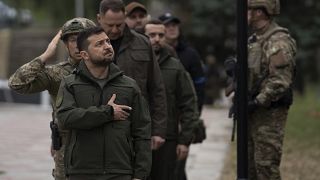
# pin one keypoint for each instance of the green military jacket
(35, 77)
(271, 58)
(97, 144)
(181, 99)
(135, 58)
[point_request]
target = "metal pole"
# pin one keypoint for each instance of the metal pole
(79, 8)
(241, 92)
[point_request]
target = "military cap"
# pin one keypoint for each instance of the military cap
(76, 25)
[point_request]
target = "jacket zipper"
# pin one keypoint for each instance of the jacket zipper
(104, 137)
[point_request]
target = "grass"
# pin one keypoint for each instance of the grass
(301, 151)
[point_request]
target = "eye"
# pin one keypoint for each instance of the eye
(152, 35)
(109, 25)
(99, 43)
(132, 17)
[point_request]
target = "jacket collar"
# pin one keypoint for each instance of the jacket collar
(182, 44)
(266, 29)
(163, 56)
(83, 71)
(73, 62)
(127, 37)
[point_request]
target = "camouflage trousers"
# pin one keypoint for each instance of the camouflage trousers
(59, 171)
(265, 138)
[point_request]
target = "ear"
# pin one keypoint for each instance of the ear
(66, 45)
(84, 55)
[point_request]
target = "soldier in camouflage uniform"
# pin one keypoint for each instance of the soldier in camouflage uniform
(271, 71)
(35, 76)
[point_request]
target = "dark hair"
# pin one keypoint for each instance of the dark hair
(82, 39)
(114, 5)
(152, 21)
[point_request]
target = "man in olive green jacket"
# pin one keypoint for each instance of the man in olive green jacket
(35, 76)
(103, 143)
(134, 56)
(182, 106)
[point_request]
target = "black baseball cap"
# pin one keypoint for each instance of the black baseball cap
(168, 17)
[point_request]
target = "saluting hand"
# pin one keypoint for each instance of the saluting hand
(119, 111)
(51, 49)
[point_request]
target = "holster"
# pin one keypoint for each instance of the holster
(55, 136)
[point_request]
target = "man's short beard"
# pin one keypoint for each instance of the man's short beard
(104, 63)
(157, 51)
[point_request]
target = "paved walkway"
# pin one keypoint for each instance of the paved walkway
(205, 161)
(25, 142)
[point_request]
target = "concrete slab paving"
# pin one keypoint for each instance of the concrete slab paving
(25, 144)
(205, 160)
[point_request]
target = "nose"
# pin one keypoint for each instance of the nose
(139, 20)
(114, 29)
(157, 38)
(106, 45)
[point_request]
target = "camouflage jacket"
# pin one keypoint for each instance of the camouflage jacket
(35, 77)
(271, 58)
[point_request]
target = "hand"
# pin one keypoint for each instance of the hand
(182, 151)
(119, 112)
(230, 65)
(156, 142)
(252, 106)
(51, 49)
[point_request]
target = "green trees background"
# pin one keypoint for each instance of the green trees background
(208, 24)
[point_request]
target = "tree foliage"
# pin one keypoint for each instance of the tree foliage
(209, 24)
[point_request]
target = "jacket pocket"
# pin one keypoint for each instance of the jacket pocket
(130, 145)
(86, 95)
(118, 151)
(140, 55)
(87, 152)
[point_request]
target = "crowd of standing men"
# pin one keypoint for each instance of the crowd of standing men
(127, 100)
(124, 99)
